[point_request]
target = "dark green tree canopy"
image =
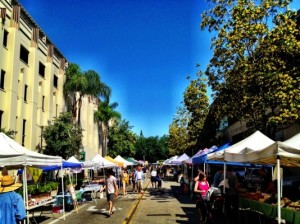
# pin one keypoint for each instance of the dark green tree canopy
(121, 140)
(63, 138)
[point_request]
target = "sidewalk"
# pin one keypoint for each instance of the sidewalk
(165, 205)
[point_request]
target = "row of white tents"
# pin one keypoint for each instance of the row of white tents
(255, 149)
(15, 156)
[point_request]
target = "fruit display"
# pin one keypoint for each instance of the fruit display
(294, 205)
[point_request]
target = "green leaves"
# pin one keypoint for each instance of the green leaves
(63, 138)
(255, 66)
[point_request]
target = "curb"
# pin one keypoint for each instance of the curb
(130, 214)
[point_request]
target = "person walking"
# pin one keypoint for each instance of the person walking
(12, 209)
(111, 188)
(125, 178)
(231, 196)
(153, 178)
(132, 177)
(201, 188)
(139, 178)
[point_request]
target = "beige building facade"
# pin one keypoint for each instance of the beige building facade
(31, 81)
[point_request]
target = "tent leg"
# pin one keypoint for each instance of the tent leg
(278, 192)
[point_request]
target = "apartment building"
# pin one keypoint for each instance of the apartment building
(32, 79)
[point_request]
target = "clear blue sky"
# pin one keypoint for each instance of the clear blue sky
(143, 50)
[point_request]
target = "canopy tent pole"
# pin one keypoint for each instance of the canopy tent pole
(63, 190)
(278, 191)
(25, 193)
(224, 177)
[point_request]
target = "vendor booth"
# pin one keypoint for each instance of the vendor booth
(14, 156)
(279, 154)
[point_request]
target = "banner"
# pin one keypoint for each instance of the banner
(35, 173)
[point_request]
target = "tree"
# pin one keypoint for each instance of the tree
(151, 148)
(63, 137)
(178, 132)
(75, 82)
(121, 140)
(105, 116)
(196, 102)
(79, 84)
(255, 66)
(163, 146)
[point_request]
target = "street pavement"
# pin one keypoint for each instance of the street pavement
(165, 205)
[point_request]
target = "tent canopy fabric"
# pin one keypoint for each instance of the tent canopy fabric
(73, 160)
(190, 160)
(180, 159)
(13, 154)
(236, 152)
(120, 164)
(65, 165)
(202, 157)
(288, 151)
(100, 162)
(135, 162)
(168, 161)
(124, 161)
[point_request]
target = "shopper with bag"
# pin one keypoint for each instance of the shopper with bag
(200, 190)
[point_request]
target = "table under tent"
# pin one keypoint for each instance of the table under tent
(279, 154)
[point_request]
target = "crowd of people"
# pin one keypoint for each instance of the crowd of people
(227, 185)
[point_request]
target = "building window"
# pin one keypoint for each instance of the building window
(43, 103)
(5, 36)
(25, 93)
(41, 69)
(55, 81)
(24, 54)
(1, 115)
(23, 132)
(2, 77)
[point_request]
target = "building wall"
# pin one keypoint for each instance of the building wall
(44, 101)
(91, 130)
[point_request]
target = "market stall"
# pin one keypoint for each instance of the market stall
(124, 161)
(14, 156)
(286, 153)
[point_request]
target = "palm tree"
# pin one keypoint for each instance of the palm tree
(105, 115)
(75, 82)
(80, 84)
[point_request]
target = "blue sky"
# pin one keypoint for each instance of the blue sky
(143, 50)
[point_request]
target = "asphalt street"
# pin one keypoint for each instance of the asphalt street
(164, 206)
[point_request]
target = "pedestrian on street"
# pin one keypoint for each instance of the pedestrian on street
(139, 178)
(125, 179)
(111, 188)
(132, 177)
(231, 196)
(12, 209)
(201, 189)
(154, 178)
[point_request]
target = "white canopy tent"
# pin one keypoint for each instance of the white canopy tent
(180, 159)
(13, 155)
(286, 153)
(121, 159)
(237, 152)
(101, 162)
(168, 161)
